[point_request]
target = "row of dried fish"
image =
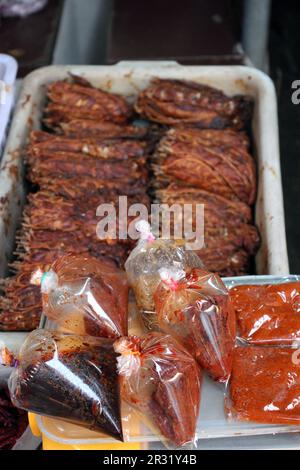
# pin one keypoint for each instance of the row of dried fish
(204, 158)
(95, 156)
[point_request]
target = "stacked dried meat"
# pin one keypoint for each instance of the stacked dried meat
(199, 161)
(178, 102)
(95, 155)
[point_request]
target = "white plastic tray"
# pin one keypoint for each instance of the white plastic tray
(128, 79)
(8, 71)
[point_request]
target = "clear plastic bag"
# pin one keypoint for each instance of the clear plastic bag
(194, 307)
(69, 377)
(143, 264)
(267, 313)
(163, 382)
(86, 296)
(264, 385)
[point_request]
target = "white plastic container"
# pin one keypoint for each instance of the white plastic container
(8, 71)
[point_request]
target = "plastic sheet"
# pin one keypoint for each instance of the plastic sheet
(163, 382)
(70, 377)
(85, 296)
(144, 262)
(268, 313)
(194, 307)
(265, 385)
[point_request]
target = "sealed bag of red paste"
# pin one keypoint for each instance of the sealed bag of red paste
(86, 296)
(267, 314)
(69, 377)
(143, 264)
(194, 307)
(162, 381)
(264, 386)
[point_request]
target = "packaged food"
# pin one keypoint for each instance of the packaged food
(267, 313)
(69, 377)
(163, 382)
(265, 385)
(144, 262)
(85, 296)
(194, 307)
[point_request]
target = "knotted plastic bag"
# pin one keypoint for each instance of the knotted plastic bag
(86, 296)
(144, 262)
(69, 377)
(162, 381)
(194, 307)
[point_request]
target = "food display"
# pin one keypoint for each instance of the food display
(175, 143)
(143, 265)
(194, 307)
(69, 377)
(163, 382)
(265, 385)
(267, 313)
(85, 296)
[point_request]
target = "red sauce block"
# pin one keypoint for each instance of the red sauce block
(265, 385)
(267, 314)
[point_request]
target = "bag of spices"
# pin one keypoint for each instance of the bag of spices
(264, 385)
(194, 307)
(70, 377)
(162, 381)
(267, 314)
(144, 262)
(86, 296)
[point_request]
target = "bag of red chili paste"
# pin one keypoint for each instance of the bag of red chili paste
(70, 377)
(86, 296)
(162, 381)
(144, 262)
(194, 308)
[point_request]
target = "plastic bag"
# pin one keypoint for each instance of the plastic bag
(69, 377)
(144, 262)
(163, 382)
(264, 385)
(194, 307)
(85, 296)
(268, 313)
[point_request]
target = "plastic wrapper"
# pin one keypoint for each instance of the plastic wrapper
(144, 262)
(194, 307)
(265, 385)
(85, 296)
(162, 381)
(69, 377)
(268, 313)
